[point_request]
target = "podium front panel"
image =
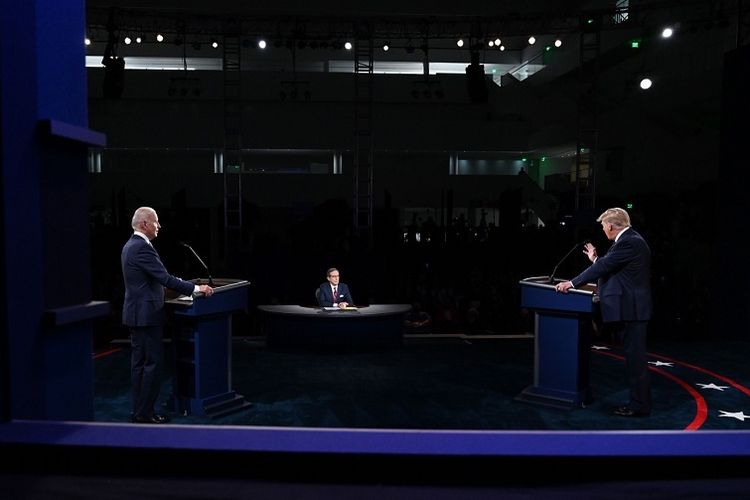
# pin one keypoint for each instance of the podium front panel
(560, 350)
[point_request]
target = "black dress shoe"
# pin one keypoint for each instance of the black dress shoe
(626, 411)
(160, 419)
(153, 419)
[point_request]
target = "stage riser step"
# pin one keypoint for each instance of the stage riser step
(229, 405)
(240, 406)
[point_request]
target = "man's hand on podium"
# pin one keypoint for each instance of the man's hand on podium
(206, 290)
(564, 286)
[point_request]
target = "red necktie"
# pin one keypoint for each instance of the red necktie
(335, 294)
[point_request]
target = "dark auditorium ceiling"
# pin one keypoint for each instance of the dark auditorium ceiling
(408, 25)
(302, 35)
(356, 7)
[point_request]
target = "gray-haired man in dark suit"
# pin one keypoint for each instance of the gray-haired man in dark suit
(143, 312)
(623, 278)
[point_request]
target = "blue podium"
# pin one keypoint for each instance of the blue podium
(202, 343)
(561, 343)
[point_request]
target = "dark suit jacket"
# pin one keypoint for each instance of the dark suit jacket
(623, 277)
(145, 279)
(325, 294)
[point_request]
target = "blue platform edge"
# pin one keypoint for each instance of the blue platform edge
(75, 133)
(381, 441)
(77, 313)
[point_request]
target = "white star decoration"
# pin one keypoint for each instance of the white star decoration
(712, 386)
(739, 415)
(660, 363)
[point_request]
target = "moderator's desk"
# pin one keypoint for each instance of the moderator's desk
(298, 326)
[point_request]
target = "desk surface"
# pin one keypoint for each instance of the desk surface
(318, 312)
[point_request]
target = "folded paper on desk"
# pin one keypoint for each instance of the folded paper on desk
(350, 308)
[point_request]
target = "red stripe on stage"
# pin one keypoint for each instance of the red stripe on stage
(98, 355)
(701, 412)
(729, 381)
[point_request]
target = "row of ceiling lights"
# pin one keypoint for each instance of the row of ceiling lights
(262, 43)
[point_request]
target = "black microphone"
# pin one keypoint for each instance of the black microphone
(552, 276)
(210, 279)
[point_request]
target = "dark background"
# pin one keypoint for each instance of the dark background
(673, 155)
(665, 154)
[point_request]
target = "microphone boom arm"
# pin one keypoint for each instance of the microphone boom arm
(210, 279)
(552, 276)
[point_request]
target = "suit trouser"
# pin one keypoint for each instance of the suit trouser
(145, 368)
(632, 334)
